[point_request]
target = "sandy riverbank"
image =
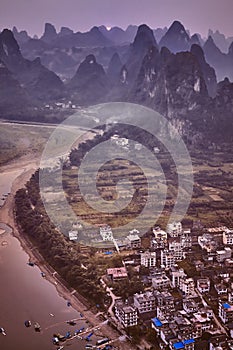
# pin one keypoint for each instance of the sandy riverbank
(27, 167)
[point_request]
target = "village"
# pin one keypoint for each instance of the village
(187, 296)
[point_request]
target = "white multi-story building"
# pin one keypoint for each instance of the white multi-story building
(203, 285)
(160, 280)
(225, 312)
(227, 237)
(167, 259)
(223, 254)
(177, 274)
(106, 232)
(148, 259)
(207, 242)
(144, 302)
(176, 248)
(187, 286)
(126, 314)
(174, 229)
(133, 239)
(160, 238)
(186, 239)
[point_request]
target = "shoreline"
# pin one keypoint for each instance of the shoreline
(28, 167)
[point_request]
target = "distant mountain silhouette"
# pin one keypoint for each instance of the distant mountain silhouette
(39, 82)
(220, 40)
(176, 38)
(21, 37)
(222, 63)
(89, 85)
(176, 78)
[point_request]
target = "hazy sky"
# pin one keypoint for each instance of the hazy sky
(81, 15)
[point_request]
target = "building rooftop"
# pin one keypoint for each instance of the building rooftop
(157, 322)
(117, 272)
(227, 307)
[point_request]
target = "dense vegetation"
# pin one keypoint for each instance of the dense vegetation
(53, 245)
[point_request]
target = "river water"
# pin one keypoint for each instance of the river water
(26, 295)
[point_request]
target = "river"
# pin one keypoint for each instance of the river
(24, 293)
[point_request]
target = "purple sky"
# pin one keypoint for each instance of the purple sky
(81, 15)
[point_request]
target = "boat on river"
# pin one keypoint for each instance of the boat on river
(2, 331)
(37, 327)
(27, 323)
(71, 322)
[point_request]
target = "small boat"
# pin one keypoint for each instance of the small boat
(68, 335)
(60, 347)
(88, 337)
(68, 303)
(30, 263)
(2, 331)
(71, 322)
(28, 323)
(37, 327)
(42, 274)
(81, 315)
(60, 337)
(52, 315)
(55, 341)
(80, 330)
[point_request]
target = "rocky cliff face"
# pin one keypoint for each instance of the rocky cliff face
(90, 84)
(208, 72)
(176, 38)
(50, 34)
(114, 68)
(173, 84)
(222, 111)
(40, 83)
(13, 98)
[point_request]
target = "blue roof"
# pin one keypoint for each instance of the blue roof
(157, 322)
(226, 306)
(189, 341)
(178, 345)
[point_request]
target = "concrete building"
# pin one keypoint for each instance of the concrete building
(133, 239)
(148, 259)
(222, 255)
(126, 314)
(176, 275)
(160, 281)
(187, 286)
(160, 238)
(106, 232)
(73, 235)
(186, 239)
(144, 302)
(117, 274)
(174, 229)
(187, 344)
(167, 259)
(207, 242)
(227, 237)
(225, 312)
(203, 285)
(176, 248)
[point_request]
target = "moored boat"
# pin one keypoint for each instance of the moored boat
(37, 327)
(28, 323)
(2, 331)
